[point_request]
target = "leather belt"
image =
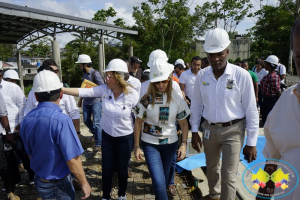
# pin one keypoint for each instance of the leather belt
(48, 181)
(226, 124)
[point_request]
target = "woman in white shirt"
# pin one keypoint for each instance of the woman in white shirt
(158, 110)
(260, 73)
(118, 99)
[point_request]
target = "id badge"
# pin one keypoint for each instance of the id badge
(163, 140)
(206, 134)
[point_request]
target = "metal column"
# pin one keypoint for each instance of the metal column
(56, 56)
(20, 70)
(101, 55)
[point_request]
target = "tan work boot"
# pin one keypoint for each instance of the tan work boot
(207, 197)
(12, 196)
(97, 148)
(21, 168)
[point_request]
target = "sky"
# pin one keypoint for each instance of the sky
(124, 8)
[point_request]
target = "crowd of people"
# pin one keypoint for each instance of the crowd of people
(130, 109)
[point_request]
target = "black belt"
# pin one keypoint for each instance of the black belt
(230, 123)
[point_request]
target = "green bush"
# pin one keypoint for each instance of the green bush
(27, 89)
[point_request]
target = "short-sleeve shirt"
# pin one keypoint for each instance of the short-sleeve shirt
(253, 76)
(270, 84)
(281, 70)
(159, 120)
(98, 79)
(51, 140)
(262, 73)
(188, 78)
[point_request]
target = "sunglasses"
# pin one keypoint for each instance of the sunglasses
(164, 82)
(108, 76)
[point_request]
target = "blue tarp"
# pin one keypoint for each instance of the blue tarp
(199, 160)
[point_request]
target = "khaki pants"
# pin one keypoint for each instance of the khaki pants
(228, 140)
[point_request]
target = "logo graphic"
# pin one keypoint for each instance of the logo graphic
(205, 83)
(229, 84)
(270, 179)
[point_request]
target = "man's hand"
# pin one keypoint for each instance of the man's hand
(250, 153)
(10, 138)
(86, 189)
(80, 103)
(196, 141)
(181, 153)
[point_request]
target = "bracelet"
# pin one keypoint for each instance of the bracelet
(183, 143)
(136, 147)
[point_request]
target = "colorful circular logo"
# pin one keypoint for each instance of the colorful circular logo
(270, 179)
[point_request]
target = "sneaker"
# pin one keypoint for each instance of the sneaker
(12, 196)
(171, 191)
(31, 182)
(122, 198)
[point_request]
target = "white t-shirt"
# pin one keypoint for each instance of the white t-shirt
(135, 83)
(188, 78)
(262, 73)
(160, 120)
(145, 85)
(281, 70)
(282, 132)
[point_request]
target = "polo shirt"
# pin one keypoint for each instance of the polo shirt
(262, 73)
(228, 98)
(281, 70)
(188, 78)
(51, 140)
(3, 111)
(116, 118)
(253, 76)
(282, 134)
(160, 120)
(99, 80)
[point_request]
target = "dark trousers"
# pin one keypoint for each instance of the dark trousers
(259, 97)
(5, 172)
(116, 151)
(267, 105)
(20, 151)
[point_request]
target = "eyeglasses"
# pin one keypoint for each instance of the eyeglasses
(108, 76)
(164, 82)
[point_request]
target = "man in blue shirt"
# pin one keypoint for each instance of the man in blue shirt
(91, 105)
(51, 142)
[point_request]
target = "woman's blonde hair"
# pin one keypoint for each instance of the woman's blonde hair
(152, 91)
(123, 84)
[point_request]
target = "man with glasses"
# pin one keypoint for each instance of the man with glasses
(91, 106)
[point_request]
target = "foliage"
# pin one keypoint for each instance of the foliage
(270, 35)
(39, 48)
(6, 51)
(27, 89)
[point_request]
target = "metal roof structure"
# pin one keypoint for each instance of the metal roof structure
(23, 25)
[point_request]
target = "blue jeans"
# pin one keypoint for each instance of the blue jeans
(159, 159)
(95, 127)
(61, 189)
(172, 171)
(116, 152)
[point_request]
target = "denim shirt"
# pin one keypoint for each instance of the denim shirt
(99, 80)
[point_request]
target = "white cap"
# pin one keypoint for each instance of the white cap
(46, 81)
(83, 58)
(157, 54)
(160, 70)
(117, 65)
(216, 41)
(272, 59)
(146, 71)
(180, 61)
(12, 74)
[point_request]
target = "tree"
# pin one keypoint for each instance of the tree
(7, 51)
(39, 48)
(270, 35)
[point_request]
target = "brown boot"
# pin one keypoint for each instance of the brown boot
(207, 197)
(171, 191)
(12, 196)
(21, 168)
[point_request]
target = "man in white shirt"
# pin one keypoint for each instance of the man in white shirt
(226, 93)
(132, 80)
(281, 69)
(187, 81)
(179, 68)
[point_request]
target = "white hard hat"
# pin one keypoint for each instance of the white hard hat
(180, 61)
(12, 74)
(272, 59)
(216, 40)
(117, 65)
(146, 71)
(46, 81)
(157, 54)
(83, 58)
(160, 70)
